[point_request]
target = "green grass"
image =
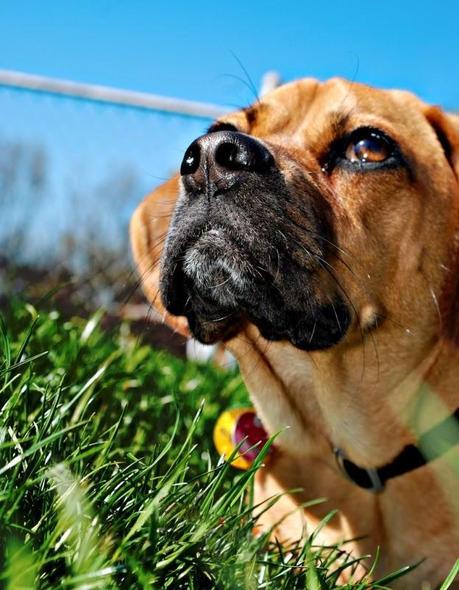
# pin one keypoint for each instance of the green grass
(108, 475)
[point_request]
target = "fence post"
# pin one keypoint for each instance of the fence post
(269, 81)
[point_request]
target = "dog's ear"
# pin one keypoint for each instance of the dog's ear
(148, 230)
(446, 126)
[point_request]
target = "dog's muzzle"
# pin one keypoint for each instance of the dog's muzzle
(240, 247)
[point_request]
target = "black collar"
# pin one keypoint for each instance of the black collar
(434, 443)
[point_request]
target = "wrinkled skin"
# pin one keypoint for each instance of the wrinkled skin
(335, 286)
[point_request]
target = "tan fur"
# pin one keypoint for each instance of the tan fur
(374, 392)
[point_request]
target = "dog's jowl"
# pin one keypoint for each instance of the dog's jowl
(316, 235)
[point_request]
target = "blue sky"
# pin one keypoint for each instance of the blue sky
(187, 49)
(191, 50)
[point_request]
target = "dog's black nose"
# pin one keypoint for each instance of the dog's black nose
(214, 162)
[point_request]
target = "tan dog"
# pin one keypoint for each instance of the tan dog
(316, 234)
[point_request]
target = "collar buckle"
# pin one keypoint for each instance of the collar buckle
(368, 479)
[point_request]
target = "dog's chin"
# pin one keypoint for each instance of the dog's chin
(213, 279)
(220, 289)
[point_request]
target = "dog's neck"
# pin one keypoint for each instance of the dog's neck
(368, 400)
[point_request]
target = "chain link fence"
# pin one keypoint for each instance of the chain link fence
(72, 170)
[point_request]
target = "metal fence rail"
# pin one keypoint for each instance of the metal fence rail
(108, 95)
(121, 97)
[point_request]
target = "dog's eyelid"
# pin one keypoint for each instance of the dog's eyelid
(363, 132)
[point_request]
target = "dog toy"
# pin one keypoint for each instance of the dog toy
(240, 426)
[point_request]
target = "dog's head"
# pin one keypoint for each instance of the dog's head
(318, 213)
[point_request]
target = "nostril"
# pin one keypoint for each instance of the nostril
(191, 159)
(242, 152)
(229, 155)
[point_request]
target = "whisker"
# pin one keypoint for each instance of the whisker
(250, 84)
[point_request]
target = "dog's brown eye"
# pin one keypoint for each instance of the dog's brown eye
(372, 148)
(365, 149)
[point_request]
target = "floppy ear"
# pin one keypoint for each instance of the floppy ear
(446, 126)
(148, 230)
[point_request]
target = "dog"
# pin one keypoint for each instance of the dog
(316, 234)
